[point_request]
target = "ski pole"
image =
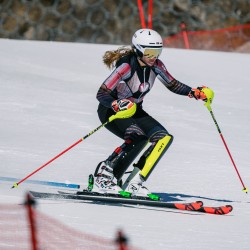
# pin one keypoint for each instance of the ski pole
(119, 115)
(210, 94)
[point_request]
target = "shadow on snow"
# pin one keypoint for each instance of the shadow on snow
(182, 197)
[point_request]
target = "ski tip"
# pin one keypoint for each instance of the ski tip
(15, 185)
(217, 210)
(224, 210)
(230, 208)
(200, 203)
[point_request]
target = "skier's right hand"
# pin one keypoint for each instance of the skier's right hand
(119, 105)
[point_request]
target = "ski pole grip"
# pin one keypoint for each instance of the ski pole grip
(124, 113)
(210, 96)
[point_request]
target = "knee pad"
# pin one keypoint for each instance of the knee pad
(133, 132)
(158, 136)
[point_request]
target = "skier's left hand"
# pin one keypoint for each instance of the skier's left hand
(198, 94)
(120, 105)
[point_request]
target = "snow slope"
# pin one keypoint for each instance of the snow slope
(47, 102)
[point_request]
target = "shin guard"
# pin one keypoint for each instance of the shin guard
(148, 163)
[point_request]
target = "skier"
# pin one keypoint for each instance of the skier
(135, 70)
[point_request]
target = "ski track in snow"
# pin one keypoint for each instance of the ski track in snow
(47, 102)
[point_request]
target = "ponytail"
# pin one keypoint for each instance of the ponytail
(111, 57)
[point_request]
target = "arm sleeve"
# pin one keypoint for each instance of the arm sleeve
(169, 81)
(107, 92)
(105, 96)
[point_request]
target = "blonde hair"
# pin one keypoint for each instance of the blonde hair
(112, 56)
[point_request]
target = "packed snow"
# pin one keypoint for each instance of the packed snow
(47, 103)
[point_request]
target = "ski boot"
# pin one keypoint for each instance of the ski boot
(105, 181)
(134, 185)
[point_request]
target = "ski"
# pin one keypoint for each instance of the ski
(118, 199)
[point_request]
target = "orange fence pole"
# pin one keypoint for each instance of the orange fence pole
(185, 36)
(141, 12)
(121, 241)
(33, 234)
(150, 14)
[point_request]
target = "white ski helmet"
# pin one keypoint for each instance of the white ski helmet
(147, 40)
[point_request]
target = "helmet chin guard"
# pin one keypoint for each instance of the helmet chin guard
(146, 40)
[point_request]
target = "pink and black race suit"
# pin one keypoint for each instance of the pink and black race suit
(131, 81)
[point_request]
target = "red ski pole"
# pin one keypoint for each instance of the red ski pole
(208, 92)
(119, 115)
